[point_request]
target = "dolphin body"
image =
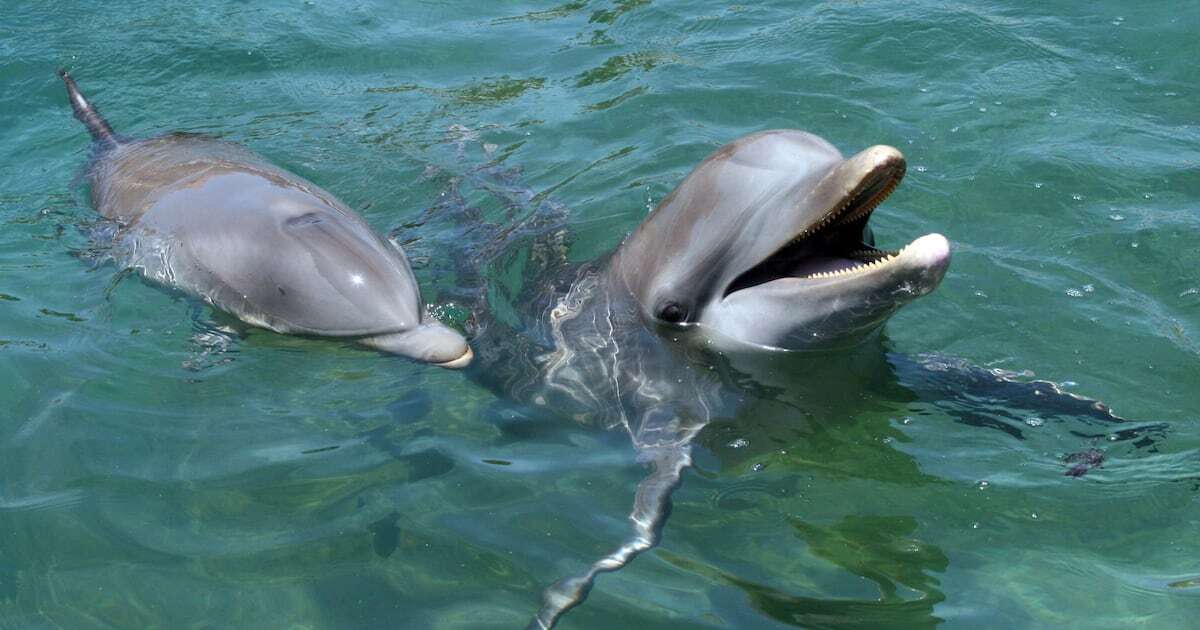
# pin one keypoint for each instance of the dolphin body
(219, 222)
(764, 248)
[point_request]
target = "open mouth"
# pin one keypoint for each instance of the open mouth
(838, 244)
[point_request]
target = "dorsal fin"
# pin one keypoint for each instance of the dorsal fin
(101, 131)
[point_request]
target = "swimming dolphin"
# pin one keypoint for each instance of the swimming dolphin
(219, 222)
(764, 248)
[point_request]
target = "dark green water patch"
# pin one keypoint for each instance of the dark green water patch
(72, 317)
(620, 65)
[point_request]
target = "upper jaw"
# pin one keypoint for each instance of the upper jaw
(835, 212)
(855, 187)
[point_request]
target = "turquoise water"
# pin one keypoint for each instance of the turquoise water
(156, 471)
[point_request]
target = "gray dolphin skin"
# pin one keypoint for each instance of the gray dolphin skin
(762, 251)
(765, 246)
(220, 223)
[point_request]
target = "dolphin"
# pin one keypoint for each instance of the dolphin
(219, 222)
(764, 249)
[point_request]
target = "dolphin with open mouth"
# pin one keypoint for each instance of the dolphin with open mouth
(765, 248)
(220, 223)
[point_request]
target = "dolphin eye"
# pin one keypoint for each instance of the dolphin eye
(672, 312)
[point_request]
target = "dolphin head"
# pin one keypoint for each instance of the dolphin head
(354, 283)
(766, 245)
(294, 260)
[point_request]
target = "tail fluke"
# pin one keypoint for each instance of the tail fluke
(101, 132)
(650, 509)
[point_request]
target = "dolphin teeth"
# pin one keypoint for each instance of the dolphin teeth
(871, 204)
(884, 258)
(862, 266)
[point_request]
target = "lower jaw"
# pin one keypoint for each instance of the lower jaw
(460, 362)
(928, 255)
(427, 343)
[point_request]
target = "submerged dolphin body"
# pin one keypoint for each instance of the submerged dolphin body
(763, 248)
(219, 222)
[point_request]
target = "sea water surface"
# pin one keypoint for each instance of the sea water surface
(157, 471)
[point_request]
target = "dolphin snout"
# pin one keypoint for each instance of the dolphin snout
(930, 255)
(431, 342)
(459, 363)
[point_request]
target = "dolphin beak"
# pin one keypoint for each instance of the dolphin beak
(460, 362)
(430, 342)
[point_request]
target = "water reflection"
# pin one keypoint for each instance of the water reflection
(883, 550)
